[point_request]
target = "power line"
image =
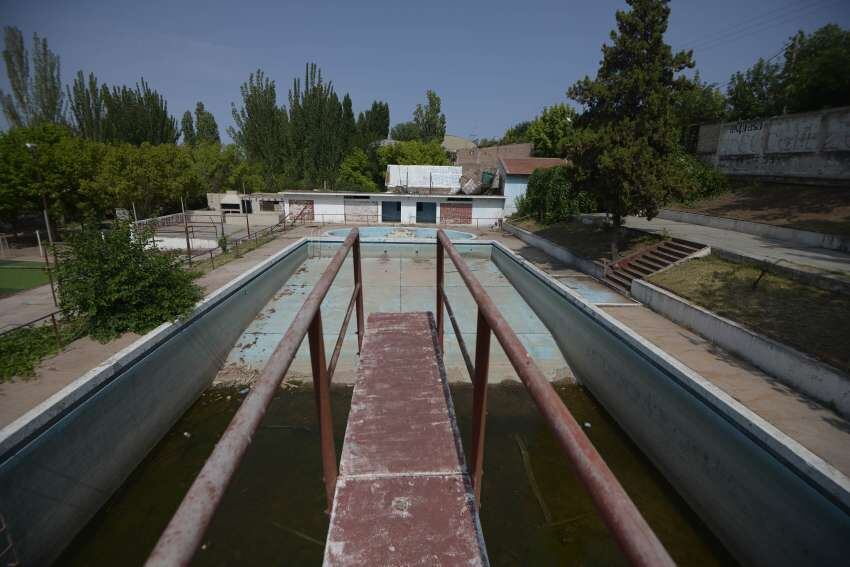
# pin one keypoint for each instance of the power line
(747, 22)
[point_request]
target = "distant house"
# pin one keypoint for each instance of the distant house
(514, 174)
(478, 161)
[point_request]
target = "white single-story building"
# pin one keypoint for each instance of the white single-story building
(373, 208)
(514, 174)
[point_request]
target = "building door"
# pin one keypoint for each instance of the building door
(455, 213)
(247, 207)
(426, 213)
(390, 211)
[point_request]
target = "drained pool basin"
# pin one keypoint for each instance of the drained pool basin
(379, 232)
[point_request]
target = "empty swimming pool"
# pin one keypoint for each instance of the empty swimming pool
(380, 232)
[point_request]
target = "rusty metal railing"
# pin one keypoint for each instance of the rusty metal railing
(634, 536)
(185, 531)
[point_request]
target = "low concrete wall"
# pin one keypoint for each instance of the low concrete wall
(802, 237)
(557, 251)
(771, 501)
(802, 372)
(60, 462)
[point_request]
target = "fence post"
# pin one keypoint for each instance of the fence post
(358, 279)
(440, 278)
(212, 262)
(56, 331)
(479, 402)
(321, 389)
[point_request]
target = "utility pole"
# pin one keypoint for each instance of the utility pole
(186, 230)
(32, 148)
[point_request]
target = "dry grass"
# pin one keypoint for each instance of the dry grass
(589, 240)
(809, 319)
(804, 207)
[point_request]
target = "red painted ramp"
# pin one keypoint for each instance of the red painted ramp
(403, 496)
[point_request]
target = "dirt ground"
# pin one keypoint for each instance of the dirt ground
(804, 207)
(590, 240)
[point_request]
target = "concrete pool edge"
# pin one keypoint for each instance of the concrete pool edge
(829, 478)
(41, 415)
(768, 499)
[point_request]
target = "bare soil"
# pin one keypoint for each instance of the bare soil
(819, 209)
(590, 240)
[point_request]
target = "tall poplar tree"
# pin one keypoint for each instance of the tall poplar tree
(625, 151)
(37, 96)
(88, 110)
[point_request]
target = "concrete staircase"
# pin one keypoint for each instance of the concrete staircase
(649, 261)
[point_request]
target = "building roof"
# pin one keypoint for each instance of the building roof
(526, 166)
(455, 143)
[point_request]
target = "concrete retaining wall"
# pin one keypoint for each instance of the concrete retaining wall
(802, 237)
(820, 381)
(556, 251)
(60, 462)
(806, 146)
(771, 501)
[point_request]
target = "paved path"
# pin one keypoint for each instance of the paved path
(814, 426)
(758, 247)
(25, 306)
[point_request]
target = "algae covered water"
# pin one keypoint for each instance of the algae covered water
(534, 510)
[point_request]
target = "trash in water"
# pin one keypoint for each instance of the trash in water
(244, 391)
(186, 434)
(587, 424)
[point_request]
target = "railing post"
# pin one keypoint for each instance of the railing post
(358, 279)
(321, 389)
(440, 281)
(56, 331)
(479, 402)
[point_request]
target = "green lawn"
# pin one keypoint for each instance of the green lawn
(17, 275)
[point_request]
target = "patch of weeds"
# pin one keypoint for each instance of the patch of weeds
(22, 349)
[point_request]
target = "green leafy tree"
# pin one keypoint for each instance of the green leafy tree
(38, 96)
(355, 173)
(53, 171)
(517, 134)
(88, 108)
(206, 128)
(414, 152)
(429, 119)
(138, 115)
(373, 124)
(552, 197)
(262, 127)
(698, 102)
(756, 93)
(405, 132)
(118, 281)
(624, 155)
(187, 128)
(816, 73)
(553, 132)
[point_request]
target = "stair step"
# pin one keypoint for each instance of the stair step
(667, 249)
(639, 267)
(648, 264)
(692, 245)
(668, 258)
(634, 274)
(683, 249)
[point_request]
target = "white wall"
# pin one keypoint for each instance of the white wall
(408, 211)
(486, 212)
(515, 185)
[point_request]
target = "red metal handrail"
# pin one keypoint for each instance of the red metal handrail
(634, 536)
(185, 531)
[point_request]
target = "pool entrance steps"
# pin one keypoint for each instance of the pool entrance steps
(403, 495)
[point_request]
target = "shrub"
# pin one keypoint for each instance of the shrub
(551, 196)
(702, 180)
(119, 281)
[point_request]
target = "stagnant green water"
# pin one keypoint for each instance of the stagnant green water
(273, 512)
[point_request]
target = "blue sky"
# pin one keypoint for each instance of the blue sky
(493, 63)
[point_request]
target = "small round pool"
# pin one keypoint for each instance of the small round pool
(380, 232)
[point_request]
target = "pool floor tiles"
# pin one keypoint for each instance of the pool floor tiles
(392, 285)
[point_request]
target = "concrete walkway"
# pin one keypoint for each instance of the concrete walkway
(814, 426)
(757, 247)
(25, 306)
(77, 358)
